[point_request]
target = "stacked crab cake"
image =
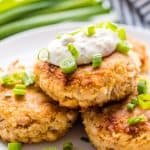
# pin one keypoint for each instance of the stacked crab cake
(90, 66)
(121, 126)
(27, 115)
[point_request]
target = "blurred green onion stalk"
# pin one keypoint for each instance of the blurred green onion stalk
(20, 15)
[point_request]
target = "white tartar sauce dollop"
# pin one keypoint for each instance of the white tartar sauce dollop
(103, 42)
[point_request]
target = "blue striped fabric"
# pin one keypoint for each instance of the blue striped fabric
(133, 12)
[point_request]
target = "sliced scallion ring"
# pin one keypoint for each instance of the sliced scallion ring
(73, 50)
(14, 146)
(96, 60)
(68, 146)
(122, 33)
(142, 86)
(144, 101)
(138, 119)
(91, 29)
(68, 65)
(44, 55)
(123, 47)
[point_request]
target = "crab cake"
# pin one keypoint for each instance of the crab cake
(33, 117)
(114, 127)
(86, 87)
(90, 67)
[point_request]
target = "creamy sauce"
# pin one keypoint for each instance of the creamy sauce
(103, 42)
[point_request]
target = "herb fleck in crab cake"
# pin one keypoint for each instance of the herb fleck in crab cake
(90, 66)
(27, 115)
(121, 126)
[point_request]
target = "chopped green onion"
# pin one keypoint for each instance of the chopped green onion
(142, 86)
(130, 106)
(28, 79)
(20, 92)
(134, 101)
(90, 30)
(44, 55)
(50, 148)
(138, 119)
(144, 101)
(123, 47)
(58, 36)
(73, 50)
(68, 65)
(20, 86)
(75, 32)
(14, 146)
(68, 146)
(7, 80)
(122, 33)
(96, 60)
(108, 25)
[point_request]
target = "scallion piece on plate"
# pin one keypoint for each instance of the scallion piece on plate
(122, 33)
(97, 60)
(142, 86)
(123, 47)
(68, 146)
(14, 146)
(135, 120)
(44, 55)
(68, 65)
(28, 79)
(144, 101)
(73, 50)
(50, 148)
(91, 29)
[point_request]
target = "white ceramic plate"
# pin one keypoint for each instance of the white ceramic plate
(25, 46)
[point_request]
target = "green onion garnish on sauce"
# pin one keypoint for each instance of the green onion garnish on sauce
(68, 65)
(122, 33)
(108, 25)
(123, 47)
(96, 60)
(135, 120)
(43, 55)
(73, 50)
(68, 146)
(91, 29)
(142, 86)
(14, 146)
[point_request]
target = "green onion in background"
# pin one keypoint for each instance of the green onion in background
(21, 11)
(73, 11)
(9, 4)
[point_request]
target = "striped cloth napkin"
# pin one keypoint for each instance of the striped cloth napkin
(132, 12)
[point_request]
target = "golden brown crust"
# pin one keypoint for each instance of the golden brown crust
(86, 87)
(108, 129)
(140, 48)
(32, 118)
